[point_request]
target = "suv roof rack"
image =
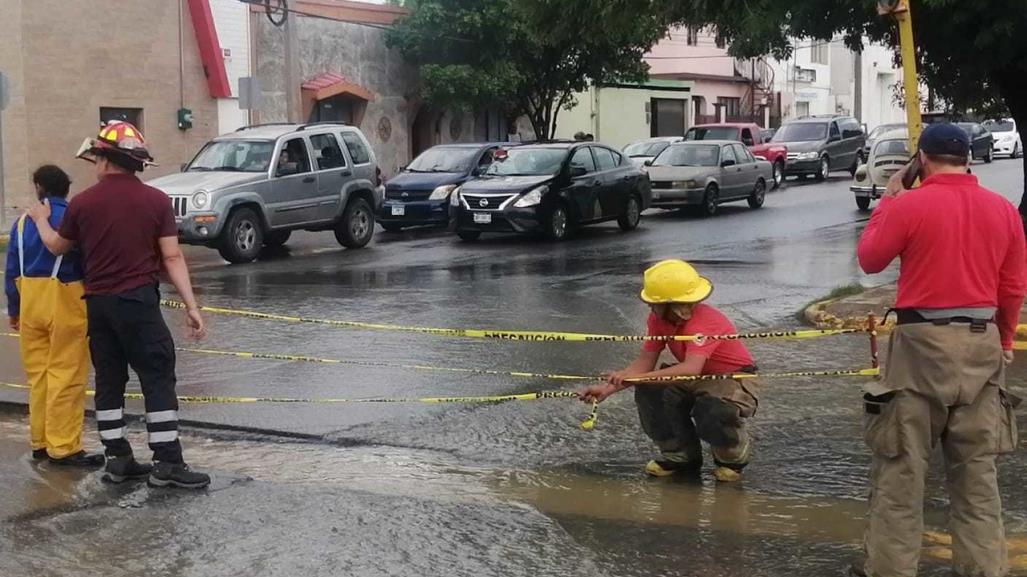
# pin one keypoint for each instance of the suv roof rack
(303, 127)
(241, 128)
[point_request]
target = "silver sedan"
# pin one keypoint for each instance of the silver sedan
(707, 173)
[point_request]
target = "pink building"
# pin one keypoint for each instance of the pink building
(726, 88)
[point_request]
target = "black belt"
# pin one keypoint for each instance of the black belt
(912, 316)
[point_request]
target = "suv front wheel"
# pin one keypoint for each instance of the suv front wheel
(357, 224)
(242, 237)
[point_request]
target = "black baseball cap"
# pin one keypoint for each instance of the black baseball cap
(944, 138)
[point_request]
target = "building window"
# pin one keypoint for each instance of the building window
(820, 52)
(732, 106)
(692, 36)
(133, 116)
(801, 109)
(805, 74)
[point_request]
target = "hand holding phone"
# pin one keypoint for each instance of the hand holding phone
(912, 172)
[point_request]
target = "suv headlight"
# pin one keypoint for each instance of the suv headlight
(200, 199)
(442, 192)
(808, 155)
(454, 197)
(532, 198)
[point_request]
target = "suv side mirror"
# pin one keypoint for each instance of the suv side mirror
(728, 162)
(648, 162)
(834, 138)
(578, 171)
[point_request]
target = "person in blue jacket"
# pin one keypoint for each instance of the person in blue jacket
(44, 304)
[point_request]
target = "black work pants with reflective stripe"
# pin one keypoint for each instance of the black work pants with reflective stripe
(128, 330)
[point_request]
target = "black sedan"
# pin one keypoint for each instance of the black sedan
(981, 140)
(551, 189)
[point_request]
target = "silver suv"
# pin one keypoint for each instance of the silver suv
(253, 187)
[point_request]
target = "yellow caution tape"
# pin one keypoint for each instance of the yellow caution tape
(587, 425)
(517, 335)
(868, 372)
(538, 395)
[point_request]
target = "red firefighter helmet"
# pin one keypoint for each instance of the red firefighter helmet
(118, 137)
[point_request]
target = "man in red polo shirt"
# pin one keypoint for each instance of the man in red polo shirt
(126, 232)
(677, 415)
(962, 280)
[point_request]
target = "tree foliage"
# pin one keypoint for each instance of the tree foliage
(526, 56)
(972, 53)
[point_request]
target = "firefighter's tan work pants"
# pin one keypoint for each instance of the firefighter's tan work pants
(943, 385)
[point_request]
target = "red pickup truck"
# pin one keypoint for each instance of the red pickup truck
(748, 134)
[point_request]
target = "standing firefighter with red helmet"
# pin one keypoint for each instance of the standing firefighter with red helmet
(126, 232)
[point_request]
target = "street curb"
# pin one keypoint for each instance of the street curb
(816, 315)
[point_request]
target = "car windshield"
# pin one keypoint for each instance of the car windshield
(234, 156)
(899, 147)
(688, 155)
(527, 161)
(647, 148)
(444, 159)
(712, 133)
(801, 132)
(881, 129)
(1000, 125)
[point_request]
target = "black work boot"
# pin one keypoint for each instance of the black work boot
(39, 454)
(167, 474)
(80, 459)
(121, 469)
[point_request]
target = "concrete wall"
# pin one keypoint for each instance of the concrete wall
(816, 95)
(232, 22)
(359, 53)
(616, 116)
(673, 55)
(80, 56)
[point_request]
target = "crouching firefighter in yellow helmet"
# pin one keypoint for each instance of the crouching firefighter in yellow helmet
(678, 415)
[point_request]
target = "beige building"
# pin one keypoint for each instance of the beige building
(72, 64)
(618, 115)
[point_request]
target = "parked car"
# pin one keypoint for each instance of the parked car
(648, 149)
(889, 153)
(981, 141)
(419, 195)
(1007, 138)
(751, 136)
(552, 188)
(818, 145)
(876, 133)
(706, 174)
(253, 187)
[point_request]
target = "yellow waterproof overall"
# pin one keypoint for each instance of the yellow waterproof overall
(55, 353)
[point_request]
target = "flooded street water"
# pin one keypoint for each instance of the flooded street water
(497, 489)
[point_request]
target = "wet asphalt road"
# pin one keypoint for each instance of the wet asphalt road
(517, 488)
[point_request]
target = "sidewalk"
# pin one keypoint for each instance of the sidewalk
(851, 312)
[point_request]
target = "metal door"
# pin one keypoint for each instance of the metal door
(293, 185)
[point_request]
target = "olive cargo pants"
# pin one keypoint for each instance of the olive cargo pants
(943, 384)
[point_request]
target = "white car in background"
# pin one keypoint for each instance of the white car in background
(1007, 139)
(645, 150)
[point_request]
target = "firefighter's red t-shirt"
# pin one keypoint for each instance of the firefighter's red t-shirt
(116, 224)
(722, 356)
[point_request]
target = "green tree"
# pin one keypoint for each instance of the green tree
(972, 53)
(527, 56)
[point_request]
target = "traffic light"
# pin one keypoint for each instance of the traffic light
(885, 7)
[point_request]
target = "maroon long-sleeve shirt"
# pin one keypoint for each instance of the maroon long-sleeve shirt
(960, 246)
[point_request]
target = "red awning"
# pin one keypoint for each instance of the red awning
(329, 84)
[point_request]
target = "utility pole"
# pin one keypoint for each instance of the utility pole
(292, 81)
(899, 9)
(857, 97)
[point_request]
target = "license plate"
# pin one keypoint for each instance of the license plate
(399, 210)
(482, 218)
